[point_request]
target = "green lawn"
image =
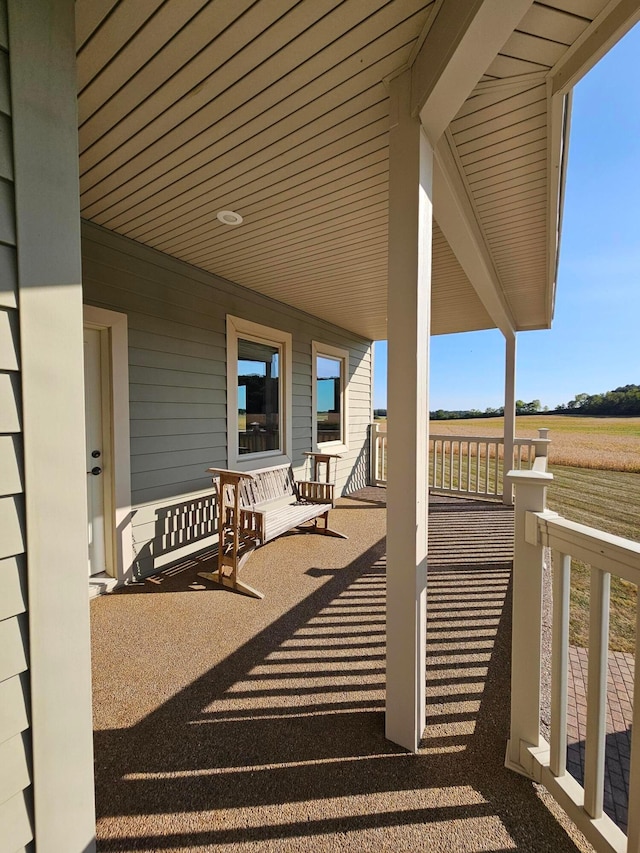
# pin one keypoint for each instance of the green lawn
(609, 501)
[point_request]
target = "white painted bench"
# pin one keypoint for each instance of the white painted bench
(255, 507)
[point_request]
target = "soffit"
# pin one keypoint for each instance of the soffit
(502, 141)
(277, 109)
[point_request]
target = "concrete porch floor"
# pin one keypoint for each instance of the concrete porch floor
(227, 723)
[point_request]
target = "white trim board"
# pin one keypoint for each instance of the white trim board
(118, 507)
(342, 355)
(238, 327)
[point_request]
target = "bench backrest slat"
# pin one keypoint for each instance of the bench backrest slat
(275, 484)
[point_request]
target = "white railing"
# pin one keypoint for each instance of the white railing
(528, 753)
(466, 465)
(472, 465)
(378, 473)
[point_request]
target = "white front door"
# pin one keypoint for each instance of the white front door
(93, 398)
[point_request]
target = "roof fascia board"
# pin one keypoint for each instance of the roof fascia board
(558, 123)
(615, 20)
(464, 39)
(456, 218)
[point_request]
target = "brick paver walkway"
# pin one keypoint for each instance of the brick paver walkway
(618, 737)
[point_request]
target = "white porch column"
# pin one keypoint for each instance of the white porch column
(509, 415)
(410, 223)
(45, 151)
(526, 636)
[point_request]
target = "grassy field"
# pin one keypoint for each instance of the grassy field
(610, 501)
(611, 444)
(595, 463)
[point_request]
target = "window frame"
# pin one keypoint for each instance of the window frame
(337, 354)
(238, 327)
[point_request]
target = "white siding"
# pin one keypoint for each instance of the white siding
(177, 372)
(15, 740)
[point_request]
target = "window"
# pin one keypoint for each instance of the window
(330, 379)
(258, 393)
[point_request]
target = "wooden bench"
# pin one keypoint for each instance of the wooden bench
(255, 507)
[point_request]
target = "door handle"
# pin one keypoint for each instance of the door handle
(95, 471)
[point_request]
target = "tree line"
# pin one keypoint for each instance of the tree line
(621, 402)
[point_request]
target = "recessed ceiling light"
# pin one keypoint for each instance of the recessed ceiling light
(229, 217)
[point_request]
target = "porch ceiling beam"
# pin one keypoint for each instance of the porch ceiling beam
(464, 39)
(456, 217)
(609, 27)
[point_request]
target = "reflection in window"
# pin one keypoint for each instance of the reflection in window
(329, 398)
(258, 397)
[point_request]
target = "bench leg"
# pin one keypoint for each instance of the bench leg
(229, 583)
(322, 531)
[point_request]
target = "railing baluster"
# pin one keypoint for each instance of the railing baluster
(445, 447)
(560, 661)
(384, 472)
(375, 442)
(435, 463)
(432, 462)
(596, 692)
(446, 456)
(443, 466)
(460, 465)
(487, 465)
(633, 830)
(447, 459)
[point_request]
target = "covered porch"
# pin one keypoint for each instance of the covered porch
(260, 725)
(310, 177)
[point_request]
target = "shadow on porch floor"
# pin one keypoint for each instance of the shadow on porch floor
(228, 723)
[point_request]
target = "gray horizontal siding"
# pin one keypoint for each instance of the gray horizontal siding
(177, 361)
(8, 276)
(15, 735)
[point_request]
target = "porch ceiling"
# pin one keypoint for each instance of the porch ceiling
(277, 109)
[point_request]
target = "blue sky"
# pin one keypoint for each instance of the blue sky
(594, 344)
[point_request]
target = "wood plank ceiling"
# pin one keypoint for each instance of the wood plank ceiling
(277, 109)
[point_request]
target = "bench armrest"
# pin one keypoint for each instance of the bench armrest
(314, 491)
(252, 524)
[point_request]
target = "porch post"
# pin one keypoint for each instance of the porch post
(528, 562)
(410, 223)
(509, 416)
(47, 209)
